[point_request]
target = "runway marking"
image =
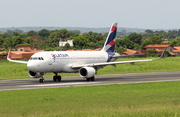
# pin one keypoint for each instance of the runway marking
(64, 84)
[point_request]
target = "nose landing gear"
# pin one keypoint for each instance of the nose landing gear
(41, 80)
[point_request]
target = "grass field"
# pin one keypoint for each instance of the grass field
(9, 70)
(137, 100)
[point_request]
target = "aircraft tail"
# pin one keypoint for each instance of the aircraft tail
(109, 45)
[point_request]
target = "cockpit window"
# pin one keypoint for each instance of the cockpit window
(36, 58)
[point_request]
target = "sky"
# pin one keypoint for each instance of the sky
(146, 14)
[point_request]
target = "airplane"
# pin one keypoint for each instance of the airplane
(86, 63)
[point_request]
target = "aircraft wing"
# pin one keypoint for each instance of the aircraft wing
(114, 63)
(9, 59)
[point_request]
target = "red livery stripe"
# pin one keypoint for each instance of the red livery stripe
(113, 28)
(9, 54)
(112, 43)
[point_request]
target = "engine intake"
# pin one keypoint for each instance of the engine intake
(87, 72)
(36, 74)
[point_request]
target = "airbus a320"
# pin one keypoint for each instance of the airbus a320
(86, 63)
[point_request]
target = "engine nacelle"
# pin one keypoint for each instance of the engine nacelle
(87, 72)
(36, 74)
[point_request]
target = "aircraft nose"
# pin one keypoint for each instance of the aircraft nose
(30, 66)
(34, 66)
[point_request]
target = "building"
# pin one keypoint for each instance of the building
(159, 47)
(129, 52)
(63, 43)
(27, 48)
(165, 41)
(134, 53)
(176, 50)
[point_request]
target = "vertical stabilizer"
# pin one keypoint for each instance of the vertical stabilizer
(109, 45)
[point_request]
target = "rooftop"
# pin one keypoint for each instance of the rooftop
(158, 46)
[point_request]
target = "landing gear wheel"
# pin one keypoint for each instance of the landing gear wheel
(92, 78)
(59, 78)
(88, 79)
(54, 78)
(41, 80)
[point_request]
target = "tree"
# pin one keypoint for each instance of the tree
(174, 42)
(17, 40)
(149, 31)
(1, 42)
(125, 43)
(53, 40)
(67, 46)
(136, 38)
(5, 35)
(10, 32)
(8, 43)
(120, 49)
(152, 53)
(63, 34)
(31, 33)
(75, 32)
(145, 43)
(18, 31)
(156, 40)
(93, 37)
(96, 40)
(44, 33)
(31, 41)
(80, 42)
(15, 33)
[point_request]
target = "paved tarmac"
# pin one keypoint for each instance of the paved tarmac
(6, 85)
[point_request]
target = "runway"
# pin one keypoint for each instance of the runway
(6, 85)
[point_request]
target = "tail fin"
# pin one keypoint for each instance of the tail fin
(109, 45)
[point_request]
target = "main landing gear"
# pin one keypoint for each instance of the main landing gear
(90, 79)
(56, 77)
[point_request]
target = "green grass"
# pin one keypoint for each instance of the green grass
(9, 70)
(139, 100)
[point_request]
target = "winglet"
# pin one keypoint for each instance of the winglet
(9, 55)
(162, 55)
(9, 58)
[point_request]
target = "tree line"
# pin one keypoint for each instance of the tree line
(49, 39)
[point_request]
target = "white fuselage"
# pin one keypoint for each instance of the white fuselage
(61, 61)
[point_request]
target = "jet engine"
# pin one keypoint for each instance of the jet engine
(87, 72)
(36, 74)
